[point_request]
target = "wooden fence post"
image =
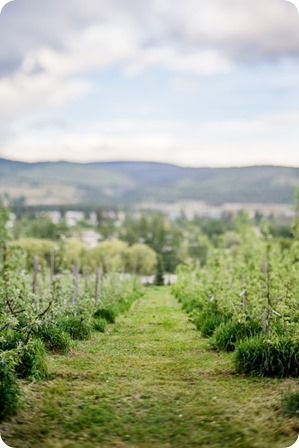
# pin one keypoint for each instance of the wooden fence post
(101, 284)
(86, 279)
(96, 292)
(34, 285)
(76, 283)
(52, 265)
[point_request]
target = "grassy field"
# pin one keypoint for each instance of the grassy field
(150, 381)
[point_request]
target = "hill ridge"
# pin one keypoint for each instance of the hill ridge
(131, 182)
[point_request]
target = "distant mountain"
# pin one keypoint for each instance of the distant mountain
(54, 183)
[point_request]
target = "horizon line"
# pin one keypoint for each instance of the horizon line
(93, 162)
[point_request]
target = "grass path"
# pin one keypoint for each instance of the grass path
(150, 381)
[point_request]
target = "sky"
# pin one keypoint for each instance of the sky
(188, 82)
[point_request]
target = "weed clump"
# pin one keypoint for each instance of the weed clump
(78, 327)
(9, 340)
(32, 360)
(208, 321)
(9, 388)
(99, 324)
(108, 313)
(192, 306)
(159, 277)
(290, 404)
(261, 356)
(228, 334)
(54, 338)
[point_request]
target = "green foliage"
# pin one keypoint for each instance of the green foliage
(160, 234)
(32, 360)
(109, 314)
(159, 277)
(192, 306)
(35, 247)
(28, 227)
(59, 309)
(260, 356)
(99, 324)
(214, 228)
(170, 387)
(141, 259)
(75, 253)
(208, 321)
(252, 280)
(9, 388)
(4, 234)
(290, 403)
(228, 334)
(124, 305)
(111, 255)
(295, 226)
(188, 290)
(54, 338)
(10, 338)
(78, 327)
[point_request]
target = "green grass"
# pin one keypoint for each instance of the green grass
(290, 403)
(150, 381)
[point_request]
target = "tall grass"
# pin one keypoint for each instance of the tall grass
(78, 327)
(228, 334)
(290, 404)
(9, 387)
(263, 357)
(207, 321)
(54, 338)
(32, 360)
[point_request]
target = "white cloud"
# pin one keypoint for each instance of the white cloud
(139, 126)
(268, 139)
(20, 94)
(50, 48)
(206, 62)
(49, 78)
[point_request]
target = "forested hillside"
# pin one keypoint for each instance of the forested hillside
(127, 182)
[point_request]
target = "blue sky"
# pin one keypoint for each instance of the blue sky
(190, 82)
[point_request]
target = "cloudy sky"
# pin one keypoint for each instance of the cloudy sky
(191, 82)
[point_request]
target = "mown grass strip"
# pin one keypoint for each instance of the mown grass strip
(150, 380)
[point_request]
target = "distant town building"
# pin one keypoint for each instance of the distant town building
(93, 220)
(11, 221)
(90, 238)
(192, 209)
(55, 216)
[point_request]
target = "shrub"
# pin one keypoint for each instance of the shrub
(290, 404)
(78, 327)
(10, 339)
(32, 360)
(121, 306)
(9, 388)
(264, 357)
(54, 338)
(125, 304)
(99, 324)
(192, 305)
(108, 313)
(227, 335)
(208, 321)
(159, 277)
